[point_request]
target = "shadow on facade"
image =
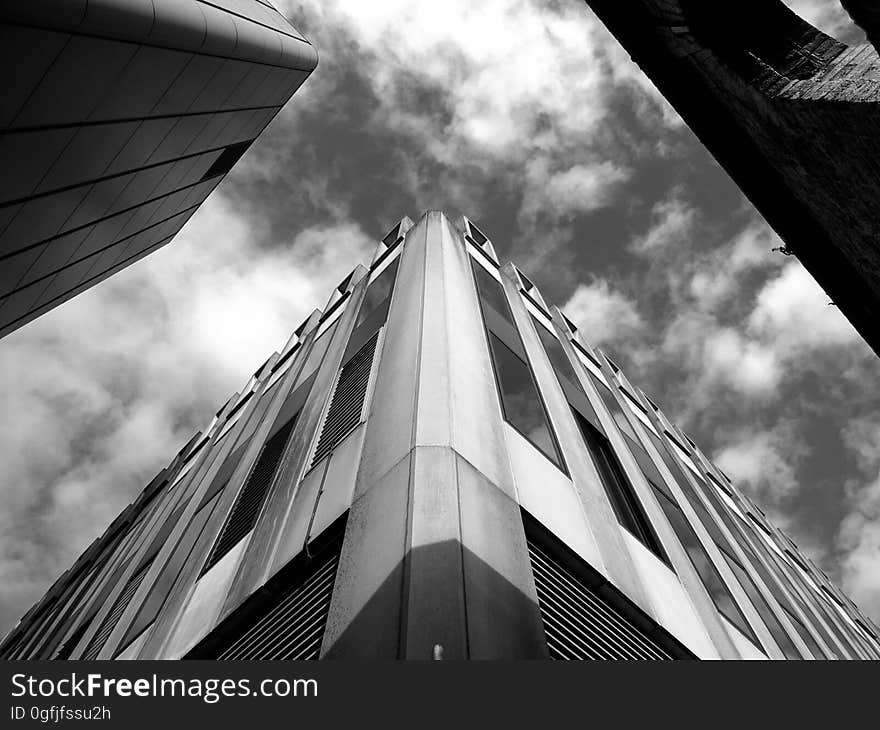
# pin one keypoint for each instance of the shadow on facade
(443, 596)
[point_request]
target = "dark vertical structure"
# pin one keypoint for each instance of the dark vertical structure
(117, 119)
(439, 464)
(789, 112)
(865, 13)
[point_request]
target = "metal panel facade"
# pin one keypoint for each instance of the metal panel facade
(119, 119)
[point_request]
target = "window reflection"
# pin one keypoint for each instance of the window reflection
(556, 355)
(520, 400)
(491, 293)
(378, 292)
(624, 501)
(707, 571)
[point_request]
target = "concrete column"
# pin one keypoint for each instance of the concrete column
(434, 560)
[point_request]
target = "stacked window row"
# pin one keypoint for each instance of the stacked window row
(805, 615)
(110, 573)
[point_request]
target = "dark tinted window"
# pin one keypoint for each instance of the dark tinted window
(520, 400)
(769, 581)
(477, 235)
(614, 407)
(162, 587)
(227, 159)
(618, 488)
(378, 292)
(783, 579)
(819, 610)
(708, 521)
(759, 602)
(715, 586)
(491, 292)
(556, 354)
(566, 375)
(805, 635)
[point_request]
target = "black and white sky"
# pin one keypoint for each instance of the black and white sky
(527, 116)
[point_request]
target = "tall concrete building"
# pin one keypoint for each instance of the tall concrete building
(439, 465)
(117, 119)
(791, 113)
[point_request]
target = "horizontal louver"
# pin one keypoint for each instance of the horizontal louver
(293, 627)
(116, 612)
(578, 623)
(348, 400)
(243, 515)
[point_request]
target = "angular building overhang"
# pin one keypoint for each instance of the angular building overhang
(117, 119)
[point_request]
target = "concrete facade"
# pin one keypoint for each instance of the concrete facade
(439, 465)
(792, 115)
(117, 120)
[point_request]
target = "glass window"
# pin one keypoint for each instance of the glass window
(784, 580)
(392, 236)
(378, 292)
(763, 573)
(566, 375)
(723, 487)
(620, 493)
(807, 637)
(614, 408)
(492, 293)
(758, 601)
(707, 571)
(556, 354)
(705, 517)
(161, 589)
(521, 401)
(318, 349)
(226, 160)
(782, 638)
(478, 236)
(817, 608)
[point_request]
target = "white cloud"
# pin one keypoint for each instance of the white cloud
(793, 313)
(711, 358)
(717, 276)
(763, 463)
(749, 367)
(520, 90)
(503, 65)
(581, 188)
(603, 314)
(672, 225)
(743, 319)
(858, 538)
(827, 16)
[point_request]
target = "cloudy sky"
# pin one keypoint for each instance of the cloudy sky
(528, 117)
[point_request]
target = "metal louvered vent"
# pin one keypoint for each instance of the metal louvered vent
(294, 625)
(243, 515)
(578, 623)
(109, 623)
(348, 400)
